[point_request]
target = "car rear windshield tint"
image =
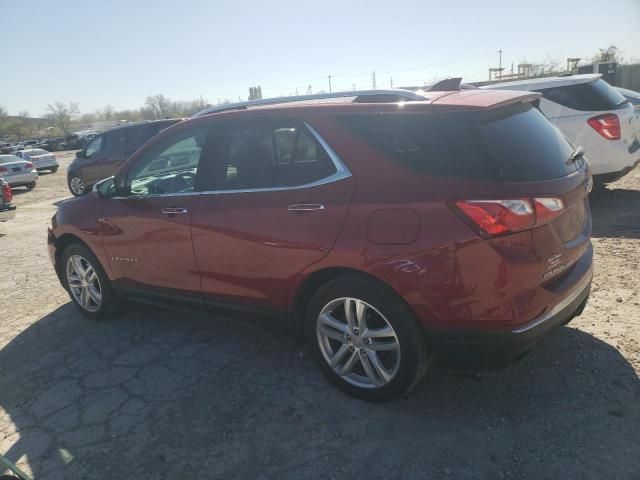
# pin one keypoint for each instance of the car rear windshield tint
(592, 96)
(516, 143)
(526, 145)
(447, 144)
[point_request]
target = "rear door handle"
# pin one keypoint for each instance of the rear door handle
(174, 210)
(305, 207)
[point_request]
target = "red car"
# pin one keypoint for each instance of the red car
(388, 228)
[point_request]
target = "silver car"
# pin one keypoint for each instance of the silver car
(42, 159)
(18, 172)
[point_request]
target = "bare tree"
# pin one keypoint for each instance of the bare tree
(3, 112)
(23, 114)
(159, 105)
(608, 55)
(61, 115)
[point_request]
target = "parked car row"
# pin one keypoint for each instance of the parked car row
(102, 156)
(22, 168)
(591, 114)
(387, 228)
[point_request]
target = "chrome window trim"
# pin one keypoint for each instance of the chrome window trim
(342, 172)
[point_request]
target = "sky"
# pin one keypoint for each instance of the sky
(117, 52)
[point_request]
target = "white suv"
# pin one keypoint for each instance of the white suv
(593, 115)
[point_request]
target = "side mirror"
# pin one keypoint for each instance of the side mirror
(106, 188)
(80, 154)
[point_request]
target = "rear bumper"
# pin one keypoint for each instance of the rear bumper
(7, 213)
(45, 164)
(20, 179)
(495, 349)
(612, 177)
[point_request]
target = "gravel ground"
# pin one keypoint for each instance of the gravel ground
(155, 394)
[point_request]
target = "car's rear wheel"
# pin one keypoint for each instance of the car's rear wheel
(54, 169)
(77, 186)
(365, 339)
(87, 283)
(31, 185)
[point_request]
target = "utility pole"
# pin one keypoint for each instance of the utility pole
(329, 77)
(391, 82)
(500, 63)
(373, 79)
(354, 86)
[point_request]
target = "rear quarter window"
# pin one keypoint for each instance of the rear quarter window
(526, 145)
(592, 96)
(435, 144)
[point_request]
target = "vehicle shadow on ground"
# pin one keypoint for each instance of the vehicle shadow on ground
(615, 213)
(157, 394)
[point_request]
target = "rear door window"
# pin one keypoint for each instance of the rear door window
(270, 154)
(113, 143)
(592, 96)
(526, 146)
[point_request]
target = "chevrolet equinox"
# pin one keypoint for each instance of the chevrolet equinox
(387, 228)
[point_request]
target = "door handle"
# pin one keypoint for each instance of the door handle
(174, 210)
(305, 207)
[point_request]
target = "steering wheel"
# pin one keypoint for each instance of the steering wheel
(181, 182)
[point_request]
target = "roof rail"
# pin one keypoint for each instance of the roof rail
(395, 95)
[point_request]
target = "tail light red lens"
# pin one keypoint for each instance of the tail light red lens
(498, 217)
(29, 165)
(606, 125)
(7, 193)
(3, 169)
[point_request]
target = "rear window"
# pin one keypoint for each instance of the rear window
(526, 145)
(592, 96)
(516, 143)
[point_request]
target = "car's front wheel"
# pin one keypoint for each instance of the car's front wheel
(87, 283)
(365, 339)
(31, 185)
(54, 169)
(77, 186)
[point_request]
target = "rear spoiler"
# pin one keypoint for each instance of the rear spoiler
(450, 85)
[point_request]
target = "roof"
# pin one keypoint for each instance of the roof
(144, 122)
(544, 82)
(382, 100)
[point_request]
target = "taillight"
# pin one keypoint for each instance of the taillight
(606, 125)
(7, 193)
(498, 217)
(3, 169)
(29, 165)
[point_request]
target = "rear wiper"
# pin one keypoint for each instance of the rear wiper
(577, 154)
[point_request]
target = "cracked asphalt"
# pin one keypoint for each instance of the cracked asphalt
(155, 394)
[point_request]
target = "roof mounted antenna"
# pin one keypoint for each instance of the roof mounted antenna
(447, 85)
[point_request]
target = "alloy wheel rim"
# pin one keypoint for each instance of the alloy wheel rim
(77, 185)
(358, 342)
(84, 283)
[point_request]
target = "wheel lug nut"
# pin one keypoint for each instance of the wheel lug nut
(356, 331)
(348, 337)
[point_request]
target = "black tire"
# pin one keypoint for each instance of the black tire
(54, 169)
(109, 305)
(31, 185)
(415, 355)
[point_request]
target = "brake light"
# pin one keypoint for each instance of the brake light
(498, 217)
(29, 165)
(606, 125)
(7, 193)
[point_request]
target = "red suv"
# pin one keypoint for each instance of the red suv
(388, 228)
